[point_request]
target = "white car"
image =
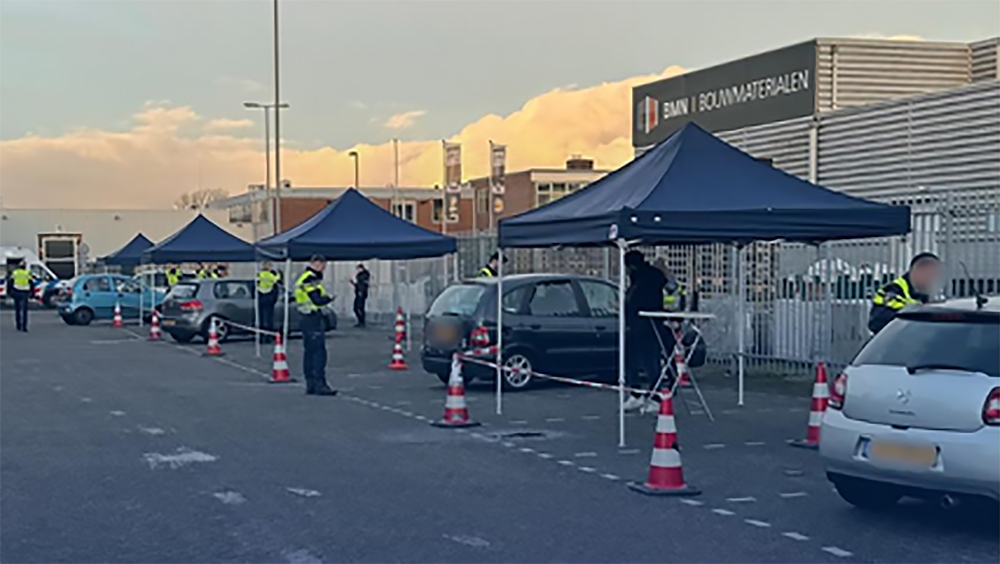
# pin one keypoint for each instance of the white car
(917, 413)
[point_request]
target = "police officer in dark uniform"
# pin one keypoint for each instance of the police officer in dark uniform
(642, 352)
(20, 285)
(310, 297)
(913, 287)
(490, 269)
(362, 280)
(268, 286)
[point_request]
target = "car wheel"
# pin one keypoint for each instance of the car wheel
(865, 494)
(519, 373)
(83, 316)
(68, 319)
(182, 339)
(221, 329)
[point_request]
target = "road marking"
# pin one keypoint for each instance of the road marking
(793, 494)
(795, 536)
(765, 410)
(420, 418)
(629, 451)
(57, 388)
(461, 430)
(303, 492)
(301, 556)
(730, 411)
(230, 498)
(713, 446)
(404, 402)
(585, 454)
(590, 417)
(406, 413)
(474, 542)
(476, 435)
(587, 469)
(508, 444)
(544, 455)
(117, 413)
(527, 450)
(610, 477)
(692, 502)
(151, 430)
(518, 422)
(837, 551)
(86, 400)
(564, 396)
(723, 512)
(756, 523)
(754, 443)
(741, 499)
(182, 457)
(567, 462)
(554, 420)
(375, 387)
(697, 412)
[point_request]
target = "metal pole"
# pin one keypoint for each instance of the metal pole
(741, 325)
(621, 342)
(256, 308)
(500, 374)
(277, 133)
(409, 293)
(489, 196)
(267, 168)
(287, 287)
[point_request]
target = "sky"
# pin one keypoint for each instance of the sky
(128, 104)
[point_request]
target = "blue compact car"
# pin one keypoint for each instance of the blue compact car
(94, 296)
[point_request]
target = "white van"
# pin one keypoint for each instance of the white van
(47, 282)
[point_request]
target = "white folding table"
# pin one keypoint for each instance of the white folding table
(676, 323)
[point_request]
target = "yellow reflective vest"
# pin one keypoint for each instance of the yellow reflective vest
(266, 280)
(306, 284)
(21, 279)
(892, 300)
(173, 276)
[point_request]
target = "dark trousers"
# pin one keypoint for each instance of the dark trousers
(20, 309)
(359, 308)
(266, 303)
(314, 352)
(642, 355)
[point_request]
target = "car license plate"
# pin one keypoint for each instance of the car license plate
(919, 455)
(169, 322)
(445, 333)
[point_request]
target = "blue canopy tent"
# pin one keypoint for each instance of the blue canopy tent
(695, 188)
(130, 255)
(355, 228)
(200, 241)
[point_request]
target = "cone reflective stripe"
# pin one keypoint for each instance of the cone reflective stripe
(154, 327)
(118, 315)
(398, 362)
(820, 396)
(666, 475)
(456, 413)
(279, 368)
(400, 325)
(213, 341)
(681, 364)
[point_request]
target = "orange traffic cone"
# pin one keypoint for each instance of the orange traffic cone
(213, 341)
(681, 365)
(117, 322)
(666, 476)
(279, 369)
(154, 327)
(400, 324)
(398, 362)
(819, 398)
(456, 414)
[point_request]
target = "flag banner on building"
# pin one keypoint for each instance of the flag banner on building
(498, 167)
(451, 206)
(452, 167)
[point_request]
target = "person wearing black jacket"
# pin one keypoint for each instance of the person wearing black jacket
(361, 282)
(310, 297)
(642, 351)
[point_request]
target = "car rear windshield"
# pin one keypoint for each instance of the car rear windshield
(971, 346)
(183, 291)
(461, 300)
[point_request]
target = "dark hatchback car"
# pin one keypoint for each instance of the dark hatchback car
(191, 305)
(558, 324)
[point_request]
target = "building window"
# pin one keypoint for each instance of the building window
(405, 210)
(240, 214)
(437, 210)
(482, 202)
(546, 193)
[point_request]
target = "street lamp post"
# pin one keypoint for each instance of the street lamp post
(357, 169)
(267, 154)
(277, 132)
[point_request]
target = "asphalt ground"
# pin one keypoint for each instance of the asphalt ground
(115, 449)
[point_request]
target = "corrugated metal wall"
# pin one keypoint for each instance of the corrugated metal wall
(985, 60)
(855, 72)
(786, 142)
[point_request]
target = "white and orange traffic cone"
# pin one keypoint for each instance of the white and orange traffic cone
(400, 323)
(117, 321)
(279, 368)
(820, 395)
(666, 475)
(213, 348)
(456, 414)
(154, 327)
(681, 365)
(398, 361)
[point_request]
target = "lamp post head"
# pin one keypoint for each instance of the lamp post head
(252, 105)
(353, 154)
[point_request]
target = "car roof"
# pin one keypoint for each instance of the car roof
(968, 304)
(533, 277)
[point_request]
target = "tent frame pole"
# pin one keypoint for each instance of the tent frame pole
(256, 308)
(740, 321)
(288, 276)
(622, 249)
(499, 359)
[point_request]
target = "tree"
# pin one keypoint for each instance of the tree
(199, 199)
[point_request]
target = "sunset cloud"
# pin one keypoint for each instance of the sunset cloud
(165, 153)
(404, 120)
(225, 124)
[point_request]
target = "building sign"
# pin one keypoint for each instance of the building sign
(452, 180)
(765, 88)
(498, 173)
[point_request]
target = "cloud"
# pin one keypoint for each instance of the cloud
(225, 124)
(359, 105)
(404, 120)
(244, 84)
(163, 154)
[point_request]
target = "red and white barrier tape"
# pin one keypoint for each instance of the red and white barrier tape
(248, 328)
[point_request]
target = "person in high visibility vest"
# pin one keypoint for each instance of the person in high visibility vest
(204, 272)
(361, 282)
(20, 285)
(913, 287)
(489, 270)
(674, 299)
(310, 297)
(220, 271)
(268, 284)
(173, 274)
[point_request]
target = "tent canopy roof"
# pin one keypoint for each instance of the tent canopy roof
(200, 241)
(696, 188)
(130, 254)
(354, 228)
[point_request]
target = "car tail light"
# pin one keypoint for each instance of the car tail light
(838, 392)
(991, 409)
(193, 305)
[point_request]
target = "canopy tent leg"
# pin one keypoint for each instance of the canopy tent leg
(288, 276)
(622, 247)
(256, 308)
(499, 359)
(409, 296)
(142, 283)
(741, 320)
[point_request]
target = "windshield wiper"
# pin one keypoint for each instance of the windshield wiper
(936, 366)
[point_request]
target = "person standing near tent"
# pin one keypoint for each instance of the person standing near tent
(204, 272)
(674, 299)
(20, 285)
(490, 269)
(268, 283)
(645, 293)
(310, 297)
(173, 274)
(362, 280)
(913, 287)
(220, 271)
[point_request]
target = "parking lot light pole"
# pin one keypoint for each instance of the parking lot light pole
(357, 170)
(267, 155)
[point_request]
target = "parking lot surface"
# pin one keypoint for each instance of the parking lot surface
(116, 449)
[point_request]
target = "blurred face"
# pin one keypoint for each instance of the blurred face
(318, 265)
(925, 274)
